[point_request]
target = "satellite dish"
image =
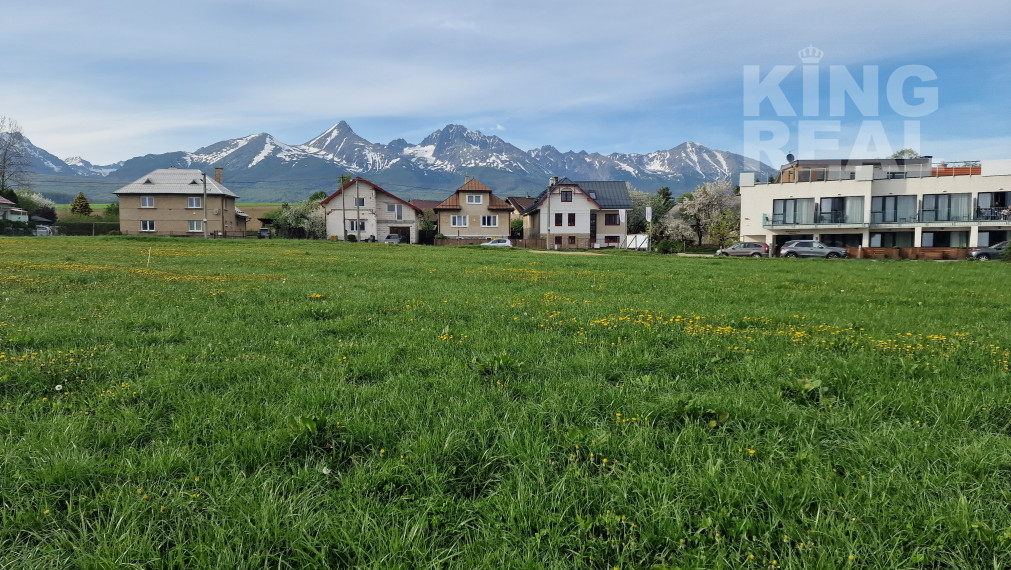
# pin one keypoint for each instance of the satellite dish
(790, 158)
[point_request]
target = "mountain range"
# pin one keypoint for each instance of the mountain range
(260, 168)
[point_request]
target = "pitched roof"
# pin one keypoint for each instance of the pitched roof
(182, 181)
(520, 203)
(374, 187)
(6, 202)
(471, 186)
(425, 204)
(608, 194)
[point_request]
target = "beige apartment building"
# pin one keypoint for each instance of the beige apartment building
(180, 202)
(880, 203)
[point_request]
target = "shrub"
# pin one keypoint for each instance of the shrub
(665, 246)
(351, 237)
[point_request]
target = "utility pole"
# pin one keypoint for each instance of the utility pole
(358, 212)
(204, 204)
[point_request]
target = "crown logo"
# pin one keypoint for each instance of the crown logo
(810, 55)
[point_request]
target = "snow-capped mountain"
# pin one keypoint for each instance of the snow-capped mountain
(262, 168)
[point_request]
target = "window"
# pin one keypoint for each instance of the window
(566, 195)
(944, 239)
(849, 210)
(474, 199)
(196, 226)
(893, 209)
(558, 219)
(397, 209)
(489, 221)
(572, 240)
(558, 240)
(793, 211)
(892, 239)
(611, 239)
(147, 201)
(359, 202)
(458, 221)
(945, 208)
(147, 225)
(612, 220)
(572, 219)
(193, 202)
(356, 225)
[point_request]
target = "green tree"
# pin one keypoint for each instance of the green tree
(111, 213)
(81, 207)
(727, 228)
(516, 228)
(905, 153)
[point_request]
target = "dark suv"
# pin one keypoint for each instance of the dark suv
(745, 249)
(811, 248)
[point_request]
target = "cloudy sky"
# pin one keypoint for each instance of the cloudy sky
(115, 79)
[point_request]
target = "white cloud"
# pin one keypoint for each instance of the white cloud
(127, 77)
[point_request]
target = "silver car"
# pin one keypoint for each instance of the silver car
(499, 242)
(994, 251)
(745, 249)
(811, 248)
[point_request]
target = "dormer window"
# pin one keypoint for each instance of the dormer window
(148, 181)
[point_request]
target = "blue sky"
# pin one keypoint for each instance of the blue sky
(115, 79)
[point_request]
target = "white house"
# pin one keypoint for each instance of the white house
(581, 215)
(364, 210)
(10, 211)
(880, 203)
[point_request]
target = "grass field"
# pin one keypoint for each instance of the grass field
(286, 404)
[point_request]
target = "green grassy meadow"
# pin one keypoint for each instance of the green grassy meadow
(170, 403)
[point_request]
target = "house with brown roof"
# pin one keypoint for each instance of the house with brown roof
(473, 211)
(364, 210)
(180, 202)
(10, 211)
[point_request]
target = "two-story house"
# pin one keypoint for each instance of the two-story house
(364, 210)
(880, 203)
(180, 202)
(473, 211)
(581, 215)
(10, 211)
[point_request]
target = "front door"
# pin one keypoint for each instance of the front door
(593, 227)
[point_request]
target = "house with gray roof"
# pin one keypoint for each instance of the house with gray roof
(180, 202)
(579, 215)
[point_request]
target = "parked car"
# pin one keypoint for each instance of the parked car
(499, 242)
(45, 231)
(994, 251)
(745, 249)
(392, 238)
(811, 248)
(264, 233)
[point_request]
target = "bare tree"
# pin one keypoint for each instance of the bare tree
(14, 160)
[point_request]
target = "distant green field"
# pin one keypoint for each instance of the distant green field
(172, 403)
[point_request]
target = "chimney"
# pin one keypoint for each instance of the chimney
(219, 174)
(553, 181)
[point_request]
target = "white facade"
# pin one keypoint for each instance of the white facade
(872, 206)
(570, 215)
(366, 211)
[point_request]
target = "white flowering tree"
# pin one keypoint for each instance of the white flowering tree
(702, 208)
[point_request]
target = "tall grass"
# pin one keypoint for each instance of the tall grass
(183, 403)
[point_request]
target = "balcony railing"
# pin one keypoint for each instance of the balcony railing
(924, 217)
